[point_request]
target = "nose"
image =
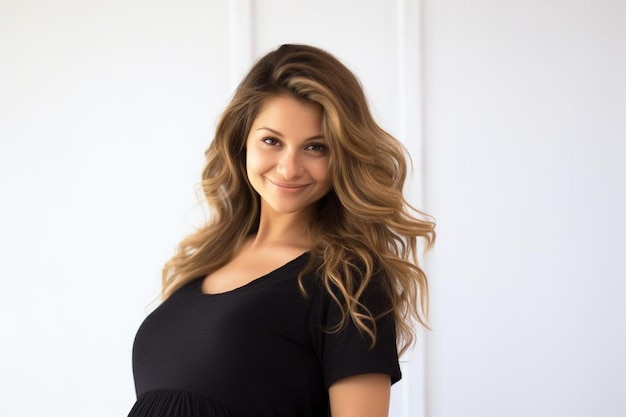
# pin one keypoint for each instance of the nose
(289, 166)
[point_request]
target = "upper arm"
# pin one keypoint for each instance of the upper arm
(365, 395)
(348, 351)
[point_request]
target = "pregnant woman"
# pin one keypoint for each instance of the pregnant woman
(297, 296)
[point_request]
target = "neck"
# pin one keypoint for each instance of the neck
(282, 229)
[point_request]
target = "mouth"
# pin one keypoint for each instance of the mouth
(288, 186)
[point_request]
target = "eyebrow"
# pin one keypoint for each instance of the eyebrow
(277, 133)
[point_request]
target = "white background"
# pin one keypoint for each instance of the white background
(525, 139)
(515, 113)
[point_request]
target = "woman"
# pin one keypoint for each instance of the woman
(293, 299)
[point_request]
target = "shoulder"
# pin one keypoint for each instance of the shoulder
(351, 284)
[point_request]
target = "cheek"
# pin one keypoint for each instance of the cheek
(254, 161)
(321, 172)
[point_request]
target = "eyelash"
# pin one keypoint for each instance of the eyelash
(267, 139)
(319, 148)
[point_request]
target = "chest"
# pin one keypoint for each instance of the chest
(249, 265)
(210, 342)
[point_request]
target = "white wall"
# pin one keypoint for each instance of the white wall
(525, 132)
(106, 108)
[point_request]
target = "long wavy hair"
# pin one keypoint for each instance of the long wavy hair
(363, 229)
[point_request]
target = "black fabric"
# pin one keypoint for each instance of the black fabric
(259, 350)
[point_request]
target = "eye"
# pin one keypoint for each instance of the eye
(317, 148)
(270, 141)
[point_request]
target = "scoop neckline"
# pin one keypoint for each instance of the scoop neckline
(255, 282)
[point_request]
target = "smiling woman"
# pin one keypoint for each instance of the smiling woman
(286, 156)
(296, 297)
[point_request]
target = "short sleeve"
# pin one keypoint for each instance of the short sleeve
(348, 352)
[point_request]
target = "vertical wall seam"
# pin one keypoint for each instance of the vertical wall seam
(421, 82)
(402, 128)
(410, 130)
(241, 39)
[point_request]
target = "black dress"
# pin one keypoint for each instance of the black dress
(258, 350)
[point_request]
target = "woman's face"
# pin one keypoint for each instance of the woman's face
(287, 155)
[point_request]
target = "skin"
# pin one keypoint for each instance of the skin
(287, 159)
(287, 164)
(364, 395)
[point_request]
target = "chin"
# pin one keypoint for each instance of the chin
(288, 208)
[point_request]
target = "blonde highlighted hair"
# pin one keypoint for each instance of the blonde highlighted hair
(363, 224)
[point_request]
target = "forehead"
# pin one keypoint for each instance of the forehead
(290, 114)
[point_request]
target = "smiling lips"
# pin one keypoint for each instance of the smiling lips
(289, 187)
